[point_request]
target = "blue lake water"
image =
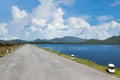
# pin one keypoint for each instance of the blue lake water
(100, 54)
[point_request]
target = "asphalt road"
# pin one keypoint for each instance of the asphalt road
(32, 63)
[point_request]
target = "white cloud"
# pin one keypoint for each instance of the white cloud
(66, 2)
(12, 38)
(57, 21)
(112, 28)
(85, 17)
(4, 33)
(105, 18)
(78, 23)
(17, 13)
(47, 21)
(44, 10)
(32, 29)
(80, 28)
(40, 22)
(3, 30)
(116, 3)
(102, 31)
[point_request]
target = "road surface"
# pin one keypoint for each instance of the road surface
(32, 63)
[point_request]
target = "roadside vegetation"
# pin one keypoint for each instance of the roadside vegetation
(87, 62)
(7, 46)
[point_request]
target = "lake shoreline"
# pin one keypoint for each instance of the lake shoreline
(100, 54)
(85, 62)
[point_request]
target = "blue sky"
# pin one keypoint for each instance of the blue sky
(47, 19)
(5, 7)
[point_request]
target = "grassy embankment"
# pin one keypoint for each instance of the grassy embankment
(10, 47)
(86, 62)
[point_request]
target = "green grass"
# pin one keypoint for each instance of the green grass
(4, 48)
(87, 62)
(2, 54)
(117, 72)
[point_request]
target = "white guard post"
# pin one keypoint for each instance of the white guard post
(111, 68)
(72, 56)
(7, 51)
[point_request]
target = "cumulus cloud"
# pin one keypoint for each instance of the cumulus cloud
(47, 21)
(12, 38)
(57, 21)
(85, 17)
(104, 18)
(78, 23)
(27, 33)
(39, 22)
(3, 30)
(116, 3)
(66, 2)
(102, 31)
(32, 29)
(44, 10)
(17, 13)
(4, 35)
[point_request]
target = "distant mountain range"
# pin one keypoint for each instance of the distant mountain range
(18, 41)
(111, 40)
(69, 39)
(114, 39)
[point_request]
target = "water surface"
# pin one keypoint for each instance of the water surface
(100, 54)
